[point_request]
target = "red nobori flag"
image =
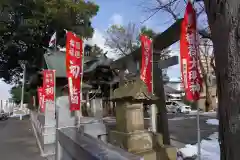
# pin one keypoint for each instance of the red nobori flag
(189, 55)
(49, 85)
(146, 68)
(41, 99)
(74, 49)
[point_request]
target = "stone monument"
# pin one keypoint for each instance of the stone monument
(129, 132)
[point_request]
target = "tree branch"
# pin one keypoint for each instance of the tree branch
(169, 9)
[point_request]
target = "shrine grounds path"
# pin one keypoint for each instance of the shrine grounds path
(17, 141)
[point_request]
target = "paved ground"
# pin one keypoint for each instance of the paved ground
(17, 141)
(183, 129)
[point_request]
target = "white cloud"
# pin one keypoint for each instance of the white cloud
(99, 39)
(5, 88)
(116, 19)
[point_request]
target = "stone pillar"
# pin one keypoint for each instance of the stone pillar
(49, 131)
(64, 118)
(130, 133)
(88, 103)
(153, 115)
(97, 108)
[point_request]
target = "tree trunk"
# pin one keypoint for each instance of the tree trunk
(208, 94)
(224, 19)
(208, 103)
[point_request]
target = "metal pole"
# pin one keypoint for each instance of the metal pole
(198, 133)
(78, 114)
(22, 96)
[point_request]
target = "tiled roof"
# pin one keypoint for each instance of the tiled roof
(56, 60)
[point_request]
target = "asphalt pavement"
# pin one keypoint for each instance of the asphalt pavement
(17, 140)
(183, 129)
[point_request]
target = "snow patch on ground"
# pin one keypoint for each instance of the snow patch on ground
(209, 149)
(212, 122)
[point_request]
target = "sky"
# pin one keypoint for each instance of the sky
(4, 94)
(122, 12)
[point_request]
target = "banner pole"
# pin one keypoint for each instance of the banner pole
(152, 66)
(79, 112)
(153, 106)
(198, 114)
(198, 132)
(22, 95)
(54, 101)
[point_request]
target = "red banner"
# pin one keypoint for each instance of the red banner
(190, 55)
(41, 99)
(74, 53)
(49, 85)
(146, 69)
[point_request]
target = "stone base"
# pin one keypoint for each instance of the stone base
(167, 153)
(134, 142)
(164, 152)
(129, 117)
(148, 155)
(158, 140)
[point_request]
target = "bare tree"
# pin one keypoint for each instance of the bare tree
(122, 39)
(206, 60)
(172, 7)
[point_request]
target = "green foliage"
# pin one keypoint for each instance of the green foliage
(148, 32)
(27, 25)
(16, 93)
